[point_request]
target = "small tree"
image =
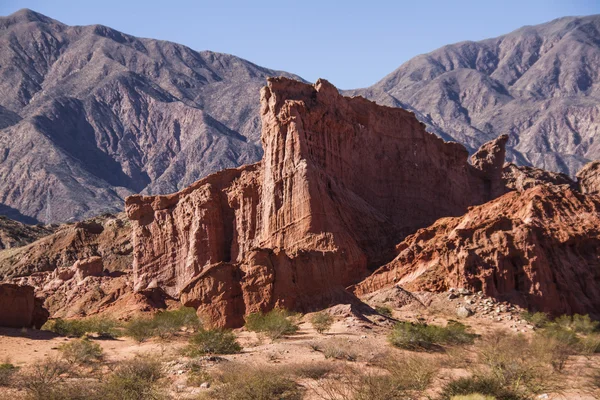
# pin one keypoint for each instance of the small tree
(321, 321)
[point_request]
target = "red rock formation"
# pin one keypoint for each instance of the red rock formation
(341, 181)
(538, 248)
(588, 178)
(19, 308)
(519, 177)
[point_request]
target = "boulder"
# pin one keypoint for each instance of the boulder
(92, 266)
(19, 308)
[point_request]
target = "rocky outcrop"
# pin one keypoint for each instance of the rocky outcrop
(15, 234)
(19, 308)
(107, 236)
(538, 248)
(588, 178)
(341, 181)
(521, 178)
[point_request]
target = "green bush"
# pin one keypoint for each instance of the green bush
(384, 310)
(251, 383)
(7, 371)
(321, 321)
(577, 323)
(213, 341)
(478, 385)
(104, 327)
(538, 319)
(411, 336)
(81, 351)
(275, 323)
(163, 324)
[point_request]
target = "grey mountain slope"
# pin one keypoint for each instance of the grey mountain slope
(89, 115)
(539, 84)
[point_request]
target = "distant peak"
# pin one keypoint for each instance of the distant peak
(27, 15)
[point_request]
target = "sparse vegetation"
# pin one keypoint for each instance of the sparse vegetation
(321, 321)
(81, 351)
(314, 370)
(163, 324)
(420, 336)
(44, 379)
(254, 383)
(7, 370)
(477, 386)
(397, 382)
(339, 350)
(384, 310)
(212, 341)
(101, 326)
(411, 372)
(518, 365)
(275, 323)
(538, 319)
(135, 379)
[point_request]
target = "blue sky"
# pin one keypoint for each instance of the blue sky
(351, 43)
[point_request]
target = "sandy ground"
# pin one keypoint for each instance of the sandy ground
(366, 340)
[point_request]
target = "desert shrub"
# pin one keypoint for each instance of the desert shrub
(254, 383)
(104, 327)
(197, 375)
(135, 379)
(523, 367)
(140, 329)
(7, 371)
(384, 310)
(321, 321)
(81, 351)
(339, 349)
(474, 396)
(167, 323)
(163, 324)
(411, 372)
(212, 341)
(44, 379)
(275, 323)
(537, 319)
(478, 385)
(411, 336)
(313, 370)
(589, 344)
(356, 384)
(578, 323)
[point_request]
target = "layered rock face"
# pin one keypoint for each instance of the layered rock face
(108, 237)
(538, 248)
(341, 181)
(19, 308)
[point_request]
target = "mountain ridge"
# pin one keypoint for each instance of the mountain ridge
(540, 84)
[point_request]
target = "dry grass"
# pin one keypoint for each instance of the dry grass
(243, 382)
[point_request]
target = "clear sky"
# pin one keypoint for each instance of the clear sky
(351, 43)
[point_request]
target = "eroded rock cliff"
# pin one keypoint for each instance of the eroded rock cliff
(539, 248)
(341, 182)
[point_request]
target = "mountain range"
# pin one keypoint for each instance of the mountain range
(90, 115)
